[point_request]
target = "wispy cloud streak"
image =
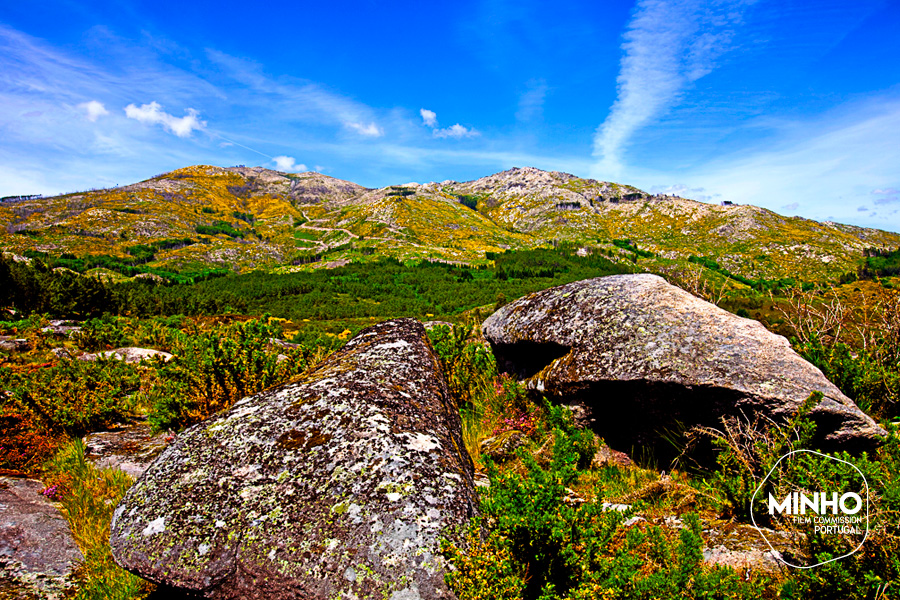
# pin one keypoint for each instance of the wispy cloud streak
(668, 45)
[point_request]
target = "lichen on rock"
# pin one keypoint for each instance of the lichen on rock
(338, 485)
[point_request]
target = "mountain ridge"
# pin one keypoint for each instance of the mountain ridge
(253, 217)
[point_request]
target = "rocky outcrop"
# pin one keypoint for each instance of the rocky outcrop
(37, 552)
(129, 355)
(336, 486)
(9, 344)
(639, 360)
(130, 448)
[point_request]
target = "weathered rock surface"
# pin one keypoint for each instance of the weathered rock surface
(37, 551)
(131, 448)
(61, 327)
(742, 548)
(336, 486)
(129, 355)
(9, 344)
(503, 446)
(637, 357)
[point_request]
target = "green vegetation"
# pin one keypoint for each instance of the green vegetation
(632, 247)
(530, 541)
(213, 366)
(384, 289)
(143, 253)
(89, 496)
(211, 370)
(469, 200)
(244, 216)
(758, 284)
(219, 227)
(36, 281)
(879, 262)
(543, 531)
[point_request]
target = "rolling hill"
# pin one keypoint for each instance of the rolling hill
(245, 218)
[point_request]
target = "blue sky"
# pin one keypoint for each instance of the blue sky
(790, 105)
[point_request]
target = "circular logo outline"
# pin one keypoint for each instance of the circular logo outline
(776, 553)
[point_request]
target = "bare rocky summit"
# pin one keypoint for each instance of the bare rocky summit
(637, 357)
(336, 486)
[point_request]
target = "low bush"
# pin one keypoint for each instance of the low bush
(529, 543)
(211, 370)
(100, 334)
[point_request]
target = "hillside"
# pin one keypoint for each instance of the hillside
(242, 218)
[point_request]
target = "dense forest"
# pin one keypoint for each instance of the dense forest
(386, 288)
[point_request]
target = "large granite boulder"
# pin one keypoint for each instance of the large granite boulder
(640, 360)
(38, 554)
(337, 486)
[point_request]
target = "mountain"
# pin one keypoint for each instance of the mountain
(243, 218)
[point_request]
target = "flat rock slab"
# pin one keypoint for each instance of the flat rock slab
(129, 355)
(9, 344)
(743, 548)
(337, 486)
(637, 357)
(130, 448)
(37, 551)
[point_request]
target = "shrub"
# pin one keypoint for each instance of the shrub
(529, 543)
(211, 370)
(100, 334)
(470, 370)
(72, 397)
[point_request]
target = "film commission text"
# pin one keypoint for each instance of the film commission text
(820, 505)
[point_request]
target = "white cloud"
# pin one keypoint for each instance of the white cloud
(93, 110)
(668, 45)
(886, 192)
(288, 164)
(370, 130)
(152, 114)
(455, 131)
(429, 117)
(791, 206)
